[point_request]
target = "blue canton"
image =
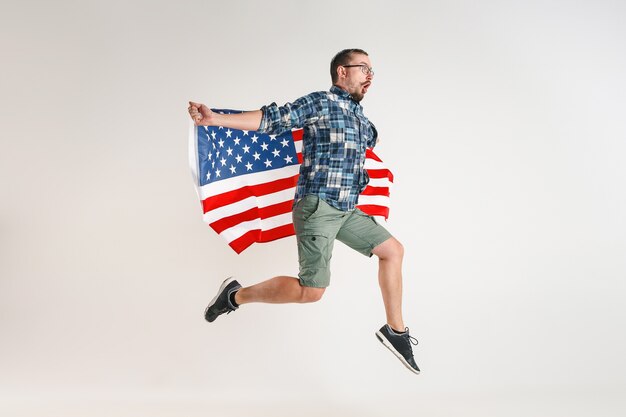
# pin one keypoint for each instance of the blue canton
(225, 153)
(336, 135)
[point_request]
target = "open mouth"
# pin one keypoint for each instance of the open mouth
(366, 86)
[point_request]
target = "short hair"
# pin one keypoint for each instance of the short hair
(342, 58)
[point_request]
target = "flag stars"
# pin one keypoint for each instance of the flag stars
(234, 152)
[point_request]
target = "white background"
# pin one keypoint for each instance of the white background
(503, 122)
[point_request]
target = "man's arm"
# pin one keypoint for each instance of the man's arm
(203, 116)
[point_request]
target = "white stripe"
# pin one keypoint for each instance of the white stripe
(380, 182)
(248, 203)
(378, 200)
(229, 184)
(239, 230)
(373, 164)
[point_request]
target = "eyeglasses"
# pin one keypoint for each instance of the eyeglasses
(364, 68)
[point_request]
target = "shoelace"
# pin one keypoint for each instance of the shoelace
(410, 338)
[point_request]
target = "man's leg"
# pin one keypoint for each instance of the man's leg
(363, 234)
(315, 241)
(277, 290)
(390, 254)
(394, 335)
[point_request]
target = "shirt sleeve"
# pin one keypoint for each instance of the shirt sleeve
(278, 119)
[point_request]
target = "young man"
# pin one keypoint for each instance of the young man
(336, 135)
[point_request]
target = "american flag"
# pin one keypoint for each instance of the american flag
(246, 182)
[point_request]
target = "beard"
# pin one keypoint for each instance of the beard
(359, 92)
(357, 97)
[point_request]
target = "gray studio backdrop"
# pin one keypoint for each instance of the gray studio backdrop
(503, 122)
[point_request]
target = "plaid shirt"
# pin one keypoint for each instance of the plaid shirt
(336, 134)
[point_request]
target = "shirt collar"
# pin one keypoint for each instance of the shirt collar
(341, 93)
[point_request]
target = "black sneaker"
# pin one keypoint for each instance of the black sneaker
(221, 303)
(400, 345)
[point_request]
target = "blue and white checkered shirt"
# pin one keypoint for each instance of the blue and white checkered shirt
(336, 134)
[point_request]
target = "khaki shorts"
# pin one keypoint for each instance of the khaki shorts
(317, 226)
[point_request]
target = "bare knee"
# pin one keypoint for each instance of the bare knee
(399, 249)
(311, 294)
(390, 250)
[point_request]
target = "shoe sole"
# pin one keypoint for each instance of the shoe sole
(224, 285)
(393, 350)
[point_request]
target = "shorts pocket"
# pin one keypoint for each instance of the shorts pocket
(313, 251)
(307, 207)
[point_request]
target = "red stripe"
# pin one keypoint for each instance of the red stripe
(252, 214)
(297, 136)
(233, 196)
(277, 233)
(247, 239)
(370, 154)
(370, 190)
(380, 173)
(375, 210)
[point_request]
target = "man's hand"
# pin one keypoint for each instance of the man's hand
(200, 114)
